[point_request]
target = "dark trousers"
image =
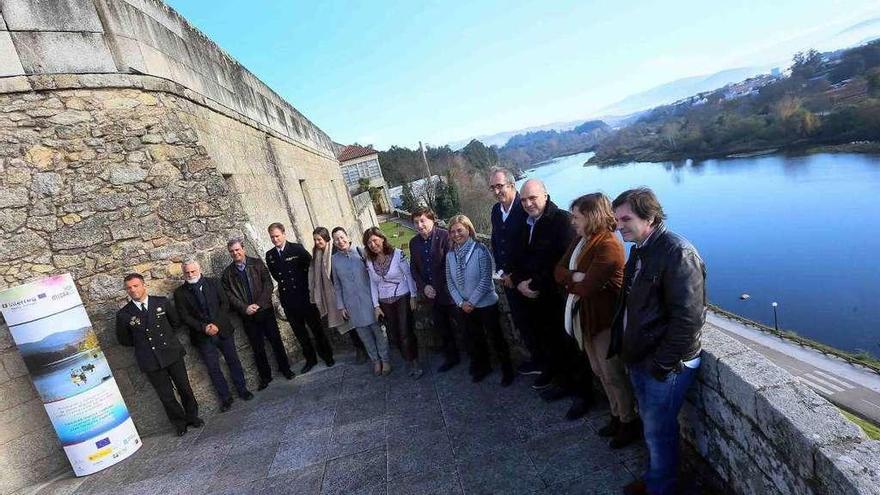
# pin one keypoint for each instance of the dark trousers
(443, 316)
(563, 361)
(401, 334)
(519, 311)
(482, 327)
(210, 350)
(260, 327)
(165, 380)
(355, 340)
(300, 315)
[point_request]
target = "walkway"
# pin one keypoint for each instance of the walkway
(850, 387)
(343, 431)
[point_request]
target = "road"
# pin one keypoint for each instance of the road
(848, 386)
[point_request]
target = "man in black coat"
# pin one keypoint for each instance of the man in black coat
(289, 264)
(204, 308)
(248, 286)
(428, 266)
(544, 242)
(508, 224)
(149, 323)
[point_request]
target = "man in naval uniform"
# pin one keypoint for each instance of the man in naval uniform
(289, 264)
(148, 323)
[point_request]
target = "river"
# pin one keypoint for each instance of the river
(792, 230)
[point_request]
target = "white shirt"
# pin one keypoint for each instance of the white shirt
(505, 213)
(145, 303)
(532, 221)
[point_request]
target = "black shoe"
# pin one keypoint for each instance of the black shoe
(247, 395)
(627, 433)
(448, 365)
(306, 368)
(635, 488)
(529, 368)
(542, 382)
(329, 362)
(507, 378)
(262, 386)
(288, 374)
(554, 393)
(196, 423)
(181, 430)
(578, 409)
(226, 405)
(611, 428)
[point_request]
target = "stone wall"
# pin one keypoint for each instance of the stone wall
(128, 141)
(764, 432)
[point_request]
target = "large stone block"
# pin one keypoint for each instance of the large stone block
(799, 422)
(741, 375)
(10, 65)
(13, 364)
(83, 234)
(55, 15)
(716, 345)
(22, 419)
(21, 245)
(851, 467)
(69, 52)
(16, 391)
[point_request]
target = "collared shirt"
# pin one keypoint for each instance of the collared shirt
(241, 266)
(425, 248)
(505, 213)
(531, 222)
(281, 249)
(142, 305)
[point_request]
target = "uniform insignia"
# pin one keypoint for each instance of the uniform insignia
(290, 258)
(135, 321)
(159, 310)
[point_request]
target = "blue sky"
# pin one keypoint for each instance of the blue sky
(396, 72)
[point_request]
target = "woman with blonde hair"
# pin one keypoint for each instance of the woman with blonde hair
(592, 274)
(469, 269)
(394, 292)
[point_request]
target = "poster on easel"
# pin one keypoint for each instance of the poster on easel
(54, 336)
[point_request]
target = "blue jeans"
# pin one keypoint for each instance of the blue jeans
(210, 349)
(659, 404)
(375, 341)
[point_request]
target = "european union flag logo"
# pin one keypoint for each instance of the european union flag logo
(103, 442)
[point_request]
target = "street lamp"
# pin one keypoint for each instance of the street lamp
(775, 317)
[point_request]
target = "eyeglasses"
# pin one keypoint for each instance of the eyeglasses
(497, 187)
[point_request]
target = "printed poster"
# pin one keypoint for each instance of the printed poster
(63, 356)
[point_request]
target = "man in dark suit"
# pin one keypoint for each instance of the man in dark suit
(289, 264)
(428, 266)
(204, 308)
(544, 242)
(508, 224)
(248, 286)
(149, 323)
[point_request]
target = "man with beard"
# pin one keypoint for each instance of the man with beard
(204, 308)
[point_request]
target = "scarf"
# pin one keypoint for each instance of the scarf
(462, 256)
(572, 313)
(321, 290)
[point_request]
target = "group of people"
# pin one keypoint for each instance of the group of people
(582, 309)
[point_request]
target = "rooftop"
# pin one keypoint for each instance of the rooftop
(353, 151)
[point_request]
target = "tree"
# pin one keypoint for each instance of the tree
(447, 203)
(408, 199)
(806, 64)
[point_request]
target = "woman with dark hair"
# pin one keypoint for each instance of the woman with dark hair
(592, 274)
(354, 299)
(469, 269)
(321, 290)
(394, 291)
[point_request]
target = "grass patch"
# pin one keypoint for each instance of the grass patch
(872, 430)
(398, 235)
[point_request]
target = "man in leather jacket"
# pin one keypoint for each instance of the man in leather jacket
(657, 327)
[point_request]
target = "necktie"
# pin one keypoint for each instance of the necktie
(143, 307)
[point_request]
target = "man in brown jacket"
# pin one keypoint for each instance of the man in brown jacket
(248, 286)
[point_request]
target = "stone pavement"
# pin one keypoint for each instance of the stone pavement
(344, 431)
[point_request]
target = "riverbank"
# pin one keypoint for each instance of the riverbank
(646, 155)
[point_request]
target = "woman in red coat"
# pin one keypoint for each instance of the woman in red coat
(592, 274)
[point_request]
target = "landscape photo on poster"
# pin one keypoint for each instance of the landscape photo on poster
(62, 353)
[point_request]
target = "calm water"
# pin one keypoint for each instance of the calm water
(797, 230)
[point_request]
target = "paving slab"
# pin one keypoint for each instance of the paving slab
(342, 430)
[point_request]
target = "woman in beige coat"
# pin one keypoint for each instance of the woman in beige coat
(322, 293)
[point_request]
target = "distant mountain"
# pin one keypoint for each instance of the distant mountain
(681, 88)
(501, 138)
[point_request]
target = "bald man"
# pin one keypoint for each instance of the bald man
(204, 308)
(544, 242)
